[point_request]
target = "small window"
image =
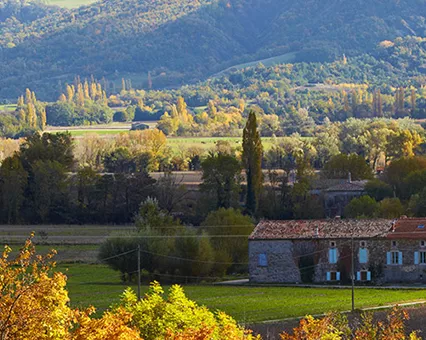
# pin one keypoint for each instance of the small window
(332, 244)
(394, 257)
(423, 257)
(364, 275)
(333, 276)
(422, 244)
(420, 257)
(262, 260)
(363, 244)
(394, 244)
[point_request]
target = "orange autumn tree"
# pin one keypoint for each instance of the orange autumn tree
(335, 327)
(34, 303)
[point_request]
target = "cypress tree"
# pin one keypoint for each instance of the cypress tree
(252, 158)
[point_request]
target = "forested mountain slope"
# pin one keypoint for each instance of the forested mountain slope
(186, 40)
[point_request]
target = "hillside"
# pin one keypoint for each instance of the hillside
(184, 40)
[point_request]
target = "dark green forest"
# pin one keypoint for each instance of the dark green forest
(181, 41)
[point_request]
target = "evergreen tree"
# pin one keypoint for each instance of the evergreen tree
(252, 158)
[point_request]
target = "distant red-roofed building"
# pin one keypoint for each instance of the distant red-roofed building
(320, 251)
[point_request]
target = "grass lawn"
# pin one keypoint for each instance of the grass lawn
(69, 3)
(280, 59)
(101, 287)
(207, 143)
(8, 108)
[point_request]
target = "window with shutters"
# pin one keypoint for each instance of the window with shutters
(364, 275)
(333, 276)
(395, 257)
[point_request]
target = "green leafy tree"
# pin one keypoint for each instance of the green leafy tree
(231, 230)
(158, 317)
(252, 158)
(13, 182)
(362, 207)
(378, 189)
(340, 166)
(391, 208)
(222, 176)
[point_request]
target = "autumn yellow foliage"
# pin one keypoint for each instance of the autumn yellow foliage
(34, 304)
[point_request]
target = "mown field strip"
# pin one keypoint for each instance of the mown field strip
(100, 286)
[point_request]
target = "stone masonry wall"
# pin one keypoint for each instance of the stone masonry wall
(280, 267)
(284, 259)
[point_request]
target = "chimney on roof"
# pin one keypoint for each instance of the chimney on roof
(349, 177)
(316, 231)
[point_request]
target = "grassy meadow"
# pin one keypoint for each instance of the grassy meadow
(69, 3)
(100, 286)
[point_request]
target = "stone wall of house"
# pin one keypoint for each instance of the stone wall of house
(279, 267)
(285, 261)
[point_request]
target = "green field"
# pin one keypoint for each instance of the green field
(69, 3)
(207, 143)
(8, 108)
(101, 287)
(280, 59)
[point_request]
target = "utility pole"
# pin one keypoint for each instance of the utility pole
(353, 274)
(139, 272)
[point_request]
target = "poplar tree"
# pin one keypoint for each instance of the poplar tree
(43, 119)
(413, 100)
(32, 117)
(149, 81)
(252, 158)
(86, 90)
(379, 103)
(123, 85)
(212, 109)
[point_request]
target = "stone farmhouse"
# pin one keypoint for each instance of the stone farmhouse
(325, 251)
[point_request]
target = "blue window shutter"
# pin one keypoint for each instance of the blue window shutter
(338, 276)
(368, 276)
(363, 256)
(400, 258)
(263, 260)
(416, 257)
(388, 258)
(358, 276)
(332, 255)
(328, 276)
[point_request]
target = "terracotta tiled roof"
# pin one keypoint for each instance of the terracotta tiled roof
(323, 229)
(349, 186)
(409, 228)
